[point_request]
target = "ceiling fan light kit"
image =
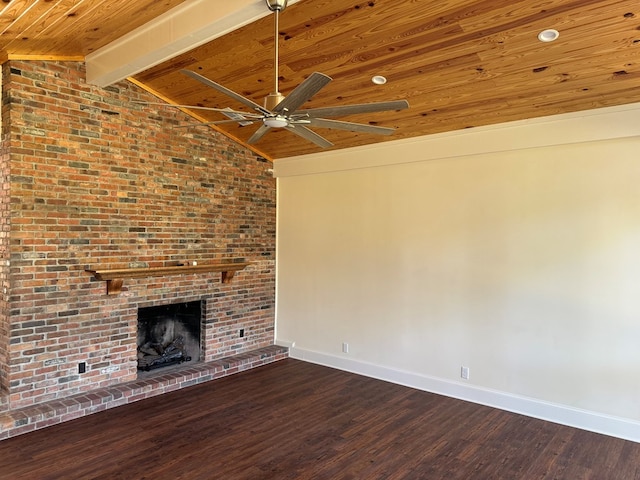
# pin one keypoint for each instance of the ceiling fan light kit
(275, 122)
(283, 111)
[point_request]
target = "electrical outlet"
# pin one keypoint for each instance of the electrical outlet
(345, 347)
(82, 367)
(464, 372)
(241, 332)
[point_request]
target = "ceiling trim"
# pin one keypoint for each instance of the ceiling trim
(184, 27)
(49, 58)
(600, 124)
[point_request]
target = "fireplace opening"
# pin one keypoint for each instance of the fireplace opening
(168, 335)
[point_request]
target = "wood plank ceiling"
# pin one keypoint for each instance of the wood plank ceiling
(70, 29)
(459, 63)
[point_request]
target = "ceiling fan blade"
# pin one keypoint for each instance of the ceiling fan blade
(351, 109)
(215, 122)
(230, 93)
(258, 134)
(310, 135)
(350, 126)
(196, 107)
(242, 119)
(303, 92)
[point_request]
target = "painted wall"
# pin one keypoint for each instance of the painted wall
(520, 261)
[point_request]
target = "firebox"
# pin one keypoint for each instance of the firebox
(169, 334)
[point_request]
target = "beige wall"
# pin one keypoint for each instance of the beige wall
(522, 264)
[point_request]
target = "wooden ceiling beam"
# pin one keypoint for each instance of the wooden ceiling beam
(186, 26)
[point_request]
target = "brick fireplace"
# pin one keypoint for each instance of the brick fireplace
(94, 181)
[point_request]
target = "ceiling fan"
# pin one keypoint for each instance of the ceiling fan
(280, 111)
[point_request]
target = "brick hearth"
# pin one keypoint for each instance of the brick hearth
(56, 411)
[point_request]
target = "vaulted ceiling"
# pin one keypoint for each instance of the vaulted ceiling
(459, 63)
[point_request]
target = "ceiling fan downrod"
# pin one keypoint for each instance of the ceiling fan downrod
(276, 97)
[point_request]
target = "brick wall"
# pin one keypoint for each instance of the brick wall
(4, 268)
(5, 226)
(97, 181)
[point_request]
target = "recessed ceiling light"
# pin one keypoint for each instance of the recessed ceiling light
(379, 80)
(548, 35)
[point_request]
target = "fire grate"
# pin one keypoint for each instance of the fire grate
(156, 356)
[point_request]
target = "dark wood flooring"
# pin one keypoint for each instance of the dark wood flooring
(295, 420)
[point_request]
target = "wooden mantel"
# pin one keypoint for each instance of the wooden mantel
(115, 278)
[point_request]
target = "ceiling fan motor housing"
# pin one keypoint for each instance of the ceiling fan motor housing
(273, 99)
(276, 5)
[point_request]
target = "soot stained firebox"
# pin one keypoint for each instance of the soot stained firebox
(169, 334)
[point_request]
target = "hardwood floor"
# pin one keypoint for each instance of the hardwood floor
(295, 420)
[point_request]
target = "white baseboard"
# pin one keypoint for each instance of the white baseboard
(586, 420)
(285, 343)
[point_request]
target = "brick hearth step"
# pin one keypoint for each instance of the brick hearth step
(16, 422)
